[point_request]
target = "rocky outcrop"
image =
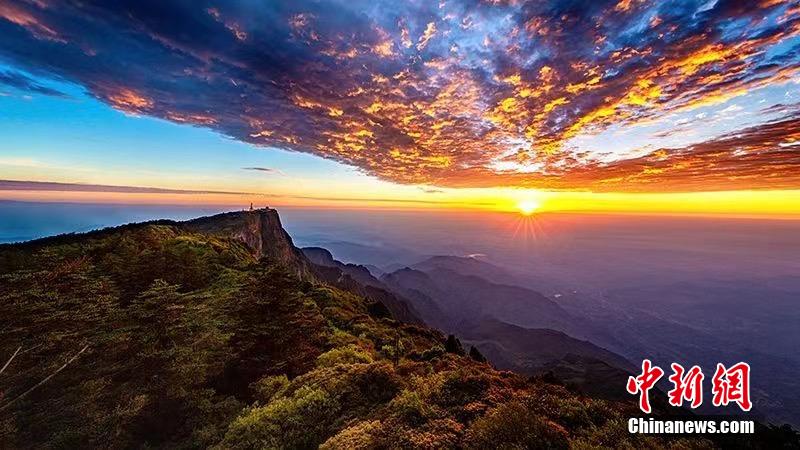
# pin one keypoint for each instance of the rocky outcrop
(261, 231)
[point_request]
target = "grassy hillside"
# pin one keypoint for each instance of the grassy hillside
(175, 335)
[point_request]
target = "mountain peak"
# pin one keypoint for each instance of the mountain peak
(408, 271)
(260, 230)
(320, 256)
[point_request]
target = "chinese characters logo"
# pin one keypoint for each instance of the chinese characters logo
(729, 385)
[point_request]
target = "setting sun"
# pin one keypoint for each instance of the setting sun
(528, 207)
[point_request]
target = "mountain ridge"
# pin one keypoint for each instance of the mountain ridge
(197, 335)
(531, 350)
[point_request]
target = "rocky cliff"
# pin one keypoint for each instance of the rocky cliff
(261, 231)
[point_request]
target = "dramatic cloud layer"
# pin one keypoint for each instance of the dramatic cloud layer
(454, 93)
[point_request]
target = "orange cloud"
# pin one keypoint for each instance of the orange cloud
(501, 93)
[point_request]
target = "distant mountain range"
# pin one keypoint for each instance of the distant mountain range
(451, 296)
(448, 293)
(675, 322)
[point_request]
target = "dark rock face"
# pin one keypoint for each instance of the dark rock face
(261, 231)
(320, 256)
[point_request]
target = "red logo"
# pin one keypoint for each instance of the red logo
(643, 383)
(731, 385)
(687, 387)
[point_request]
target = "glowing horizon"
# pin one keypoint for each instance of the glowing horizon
(776, 204)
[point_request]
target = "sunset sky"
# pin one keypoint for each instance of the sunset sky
(631, 105)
